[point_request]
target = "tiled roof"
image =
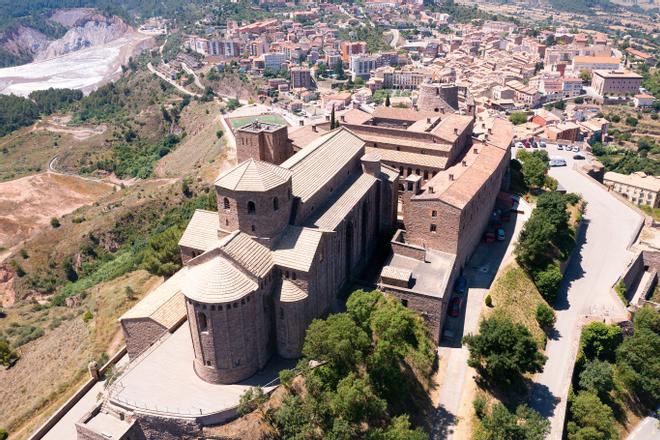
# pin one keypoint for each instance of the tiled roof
(317, 163)
(401, 114)
(343, 203)
(211, 278)
(202, 230)
(447, 126)
(395, 136)
(404, 157)
(303, 136)
(297, 248)
(253, 175)
(165, 304)
(639, 180)
(252, 256)
(289, 292)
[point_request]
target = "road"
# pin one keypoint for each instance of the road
(395, 38)
(648, 429)
(601, 255)
(164, 78)
(480, 272)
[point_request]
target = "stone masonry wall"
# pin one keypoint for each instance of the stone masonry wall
(430, 308)
(140, 334)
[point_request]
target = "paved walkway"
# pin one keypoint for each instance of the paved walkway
(65, 429)
(601, 255)
(480, 272)
(648, 429)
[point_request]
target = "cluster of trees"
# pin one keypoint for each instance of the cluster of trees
(497, 422)
(373, 36)
(503, 351)
(534, 167)
(372, 358)
(546, 238)
(608, 365)
(7, 354)
(16, 112)
(460, 13)
(51, 100)
(625, 161)
(518, 118)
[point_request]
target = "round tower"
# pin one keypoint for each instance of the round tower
(254, 197)
(225, 311)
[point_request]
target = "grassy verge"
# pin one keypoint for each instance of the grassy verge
(516, 297)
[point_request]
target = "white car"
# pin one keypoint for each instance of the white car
(560, 147)
(576, 149)
(519, 145)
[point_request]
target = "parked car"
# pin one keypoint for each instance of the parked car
(500, 234)
(519, 145)
(560, 147)
(542, 144)
(489, 237)
(455, 307)
(535, 144)
(576, 149)
(557, 162)
(460, 286)
(578, 156)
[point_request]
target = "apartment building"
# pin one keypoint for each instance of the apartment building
(640, 188)
(616, 82)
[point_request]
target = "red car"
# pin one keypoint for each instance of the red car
(455, 307)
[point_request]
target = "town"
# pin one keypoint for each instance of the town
(384, 220)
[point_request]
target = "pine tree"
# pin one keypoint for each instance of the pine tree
(387, 100)
(333, 122)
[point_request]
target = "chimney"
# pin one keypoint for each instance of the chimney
(451, 177)
(342, 118)
(302, 122)
(371, 164)
(490, 131)
(442, 110)
(314, 129)
(431, 190)
(428, 120)
(456, 131)
(464, 163)
(476, 150)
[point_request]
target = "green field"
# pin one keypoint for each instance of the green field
(245, 120)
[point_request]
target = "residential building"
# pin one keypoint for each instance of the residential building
(640, 188)
(591, 63)
(616, 82)
(362, 65)
(349, 48)
(300, 78)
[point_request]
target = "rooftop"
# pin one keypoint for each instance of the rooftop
(428, 278)
(165, 304)
(253, 175)
(617, 74)
(639, 180)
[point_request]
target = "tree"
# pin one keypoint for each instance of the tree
(251, 399)
(398, 429)
(518, 118)
(4, 435)
(7, 355)
(637, 359)
(54, 222)
(533, 242)
(534, 167)
(585, 76)
(356, 401)
(338, 341)
(597, 377)
(339, 71)
(333, 120)
(600, 341)
(632, 121)
(590, 418)
(360, 306)
(504, 350)
(548, 281)
(387, 100)
(161, 257)
(524, 424)
(545, 316)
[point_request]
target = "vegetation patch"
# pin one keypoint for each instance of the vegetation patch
(376, 361)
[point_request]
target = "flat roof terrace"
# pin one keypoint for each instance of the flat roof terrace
(162, 382)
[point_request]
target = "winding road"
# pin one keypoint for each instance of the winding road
(601, 255)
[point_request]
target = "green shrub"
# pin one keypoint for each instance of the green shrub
(590, 419)
(24, 254)
(548, 281)
(479, 405)
(55, 223)
(597, 377)
(545, 316)
(87, 316)
(20, 272)
(600, 341)
(489, 301)
(621, 290)
(4, 435)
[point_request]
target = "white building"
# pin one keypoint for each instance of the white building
(362, 65)
(273, 61)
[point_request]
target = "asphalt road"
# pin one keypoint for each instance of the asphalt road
(648, 429)
(599, 258)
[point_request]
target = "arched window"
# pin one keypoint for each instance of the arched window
(202, 323)
(225, 203)
(251, 207)
(276, 204)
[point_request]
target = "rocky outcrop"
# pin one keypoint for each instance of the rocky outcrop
(22, 39)
(87, 31)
